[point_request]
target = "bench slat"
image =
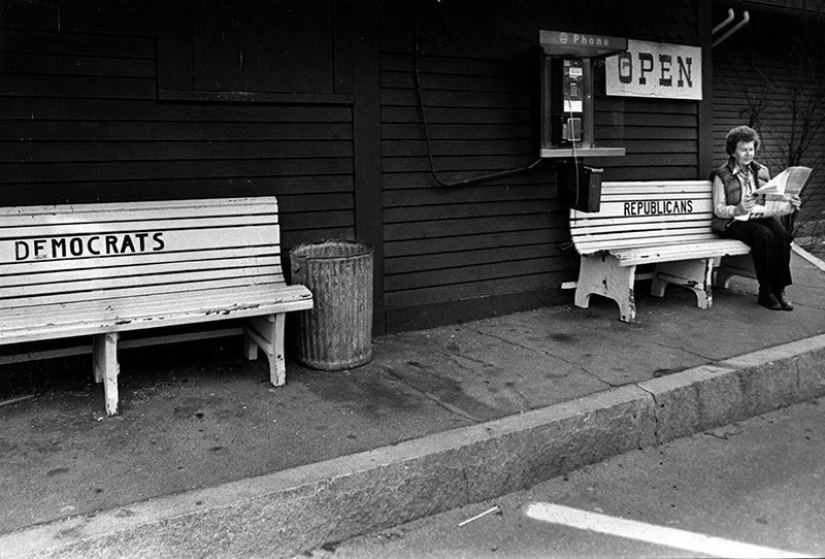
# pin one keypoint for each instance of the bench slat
(616, 210)
(217, 280)
(135, 225)
(52, 312)
(272, 263)
(649, 228)
(175, 209)
(629, 187)
(700, 218)
(46, 267)
(124, 315)
(614, 234)
(169, 275)
(667, 253)
(632, 240)
(614, 197)
(17, 250)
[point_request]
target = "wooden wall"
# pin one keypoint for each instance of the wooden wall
(81, 121)
(83, 118)
(458, 252)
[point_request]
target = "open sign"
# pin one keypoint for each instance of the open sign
(655, 70)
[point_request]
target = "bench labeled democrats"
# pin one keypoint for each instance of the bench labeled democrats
(97, 270)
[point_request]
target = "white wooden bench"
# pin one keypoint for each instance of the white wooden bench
(663, 223)
(101, 269)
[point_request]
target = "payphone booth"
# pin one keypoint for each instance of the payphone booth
(568, 68)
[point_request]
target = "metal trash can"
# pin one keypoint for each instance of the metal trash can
(337, 332)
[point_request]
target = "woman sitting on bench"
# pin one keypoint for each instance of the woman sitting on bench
(733, 186)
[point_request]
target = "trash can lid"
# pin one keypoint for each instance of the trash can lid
(331, 249)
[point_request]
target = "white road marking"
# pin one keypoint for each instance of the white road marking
(808, 256)
(659, 535)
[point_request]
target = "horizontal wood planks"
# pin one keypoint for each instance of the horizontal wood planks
(89, 268)
(80, 121)
(447, 244)
(645, 213)
(53, 255)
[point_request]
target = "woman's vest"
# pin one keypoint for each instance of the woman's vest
(733, 188)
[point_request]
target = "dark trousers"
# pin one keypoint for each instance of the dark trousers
(770, 246)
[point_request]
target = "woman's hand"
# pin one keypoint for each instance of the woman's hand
(745, 206)
(796, 202)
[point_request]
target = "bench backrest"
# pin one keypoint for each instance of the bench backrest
(86, 252)
(645, 213)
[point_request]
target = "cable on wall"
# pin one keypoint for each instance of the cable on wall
(464, 182)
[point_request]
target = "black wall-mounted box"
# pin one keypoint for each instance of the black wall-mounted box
(580, 187)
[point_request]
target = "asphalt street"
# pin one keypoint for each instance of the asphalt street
(748, 489)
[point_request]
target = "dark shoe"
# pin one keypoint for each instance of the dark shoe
(769, 301)
(784, 301)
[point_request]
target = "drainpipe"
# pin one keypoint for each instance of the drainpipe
(746, 17)
(718, 28)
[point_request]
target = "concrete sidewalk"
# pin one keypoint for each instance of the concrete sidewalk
(207, 459)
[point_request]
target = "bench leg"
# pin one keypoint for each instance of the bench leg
(602, 275)
(740, 265)
(106, 368)
(694, 274)
(267, 333)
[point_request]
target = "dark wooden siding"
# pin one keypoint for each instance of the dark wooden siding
(471, 247)
(80, 121)
(755, 73)
(445, 244)
(660, 138)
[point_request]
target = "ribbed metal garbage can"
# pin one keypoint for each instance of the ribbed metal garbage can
(337, 332)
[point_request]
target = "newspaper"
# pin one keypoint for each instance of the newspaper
(773, 198)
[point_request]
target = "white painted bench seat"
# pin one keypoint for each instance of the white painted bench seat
(666, 253)
(663, 223)
(102, 269)
(84, 318)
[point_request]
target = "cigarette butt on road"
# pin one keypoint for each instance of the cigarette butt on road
(476, 517)
(15, 400)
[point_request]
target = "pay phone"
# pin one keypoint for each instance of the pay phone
(567, 101)
(567, 91)
(567, 109)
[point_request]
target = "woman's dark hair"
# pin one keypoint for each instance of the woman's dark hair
(741, 134)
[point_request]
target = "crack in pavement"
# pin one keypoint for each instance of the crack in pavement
(685, 350)
(435, 399)
(561, 358)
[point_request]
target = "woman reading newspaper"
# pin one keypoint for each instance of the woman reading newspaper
(739, 215)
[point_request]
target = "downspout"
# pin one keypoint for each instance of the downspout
(718, 28)
(746, 17)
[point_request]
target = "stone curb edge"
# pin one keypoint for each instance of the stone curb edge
(288, 512)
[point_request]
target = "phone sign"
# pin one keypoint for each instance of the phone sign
(572, 43)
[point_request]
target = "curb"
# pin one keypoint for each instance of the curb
(296, 510)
